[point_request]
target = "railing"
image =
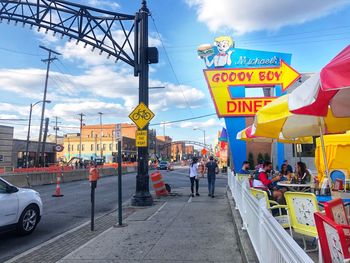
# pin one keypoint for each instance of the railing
(270, 241)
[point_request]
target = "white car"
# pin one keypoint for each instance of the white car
(20, 208)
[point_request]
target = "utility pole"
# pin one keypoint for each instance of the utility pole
(142, 195)
(81, 129)
(101, 148)
(44, 141)
(48, 61)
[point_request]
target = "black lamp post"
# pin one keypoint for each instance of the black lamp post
(144, 56)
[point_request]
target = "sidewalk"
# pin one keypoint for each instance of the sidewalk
(176, 229)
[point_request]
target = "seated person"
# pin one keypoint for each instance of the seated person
(245, 168)
(266, 184)
(285, 176)
(303, 175)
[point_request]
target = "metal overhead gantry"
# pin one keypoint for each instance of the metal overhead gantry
(121, 36)
(109, 32)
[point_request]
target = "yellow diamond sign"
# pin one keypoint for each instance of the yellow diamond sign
(141, 115)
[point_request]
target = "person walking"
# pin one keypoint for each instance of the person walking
(194, 176)
(201, 168)
(212, 169)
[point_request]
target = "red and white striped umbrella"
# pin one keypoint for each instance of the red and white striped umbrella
(330, 87)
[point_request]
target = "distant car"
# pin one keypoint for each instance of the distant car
(21, 208)
(163, 165)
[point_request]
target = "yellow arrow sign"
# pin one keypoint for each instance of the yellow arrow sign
(220, 80)
(270, 76)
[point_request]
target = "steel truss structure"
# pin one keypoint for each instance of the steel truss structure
(206, 146)
(109, 32)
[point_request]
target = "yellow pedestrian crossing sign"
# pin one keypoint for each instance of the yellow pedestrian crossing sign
(141, 115)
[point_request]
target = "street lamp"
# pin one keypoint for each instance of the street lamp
(199, 129)
(101, 150)
(29, 124)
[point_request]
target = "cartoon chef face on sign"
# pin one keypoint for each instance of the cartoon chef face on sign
(223, 57)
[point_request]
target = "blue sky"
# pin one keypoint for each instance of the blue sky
(313, 31)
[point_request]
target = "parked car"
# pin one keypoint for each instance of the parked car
(163, 165)
(20, 208)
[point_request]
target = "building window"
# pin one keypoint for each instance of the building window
(78, 147)
(92, 134)
(83, 147)
(104, 147)
(97, 147)
(72, 147)
(92, 147)
(111, 147)
(68, 147)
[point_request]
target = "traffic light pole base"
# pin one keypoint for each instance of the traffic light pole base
(142, 196)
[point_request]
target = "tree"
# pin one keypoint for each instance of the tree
(260, 158)
(267, 157)
(251, 161)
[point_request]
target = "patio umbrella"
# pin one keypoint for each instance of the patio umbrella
(246, 135)
(330, 87)
(275, 118)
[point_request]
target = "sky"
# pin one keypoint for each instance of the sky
(83, 81)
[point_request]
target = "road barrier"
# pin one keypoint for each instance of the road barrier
(270, 241)
(42, 178)
(158, 184)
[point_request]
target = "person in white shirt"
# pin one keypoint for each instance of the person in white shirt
(194, 176)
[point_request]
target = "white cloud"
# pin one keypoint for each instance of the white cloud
(72, 94)
(111, 5)
(251, 15)
(212, 122)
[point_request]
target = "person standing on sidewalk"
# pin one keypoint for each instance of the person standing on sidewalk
(194, 176)
(201, 168)
(212, 169)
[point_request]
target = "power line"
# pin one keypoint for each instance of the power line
(170, 64)
(182, 120)
(19, 52)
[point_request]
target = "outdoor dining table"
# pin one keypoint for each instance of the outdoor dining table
(295, 187)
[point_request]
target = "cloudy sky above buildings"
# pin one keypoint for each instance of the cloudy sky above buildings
(312, 31)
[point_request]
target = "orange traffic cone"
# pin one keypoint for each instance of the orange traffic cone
(58, 186)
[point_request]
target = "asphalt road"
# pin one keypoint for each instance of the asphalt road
(72, 210)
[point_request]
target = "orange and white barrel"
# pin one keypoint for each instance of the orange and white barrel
(158, 184)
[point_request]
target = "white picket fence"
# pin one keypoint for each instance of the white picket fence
(271, 242)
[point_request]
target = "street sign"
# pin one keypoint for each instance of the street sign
(1, 158)
(141, 138)
(58, 148)
(283, 75)
(141, 115)
(118, 132)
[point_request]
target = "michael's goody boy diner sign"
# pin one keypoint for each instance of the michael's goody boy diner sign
(229, 67)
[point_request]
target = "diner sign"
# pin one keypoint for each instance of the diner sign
(283, 75)
(246, 106)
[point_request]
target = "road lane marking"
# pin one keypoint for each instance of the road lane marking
(155, 213)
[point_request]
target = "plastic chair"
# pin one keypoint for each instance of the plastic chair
(335, 210)
(332, 239)
(271, 205)
(338, 174)
(301, 209)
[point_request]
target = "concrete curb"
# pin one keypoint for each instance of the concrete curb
(245, 245)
